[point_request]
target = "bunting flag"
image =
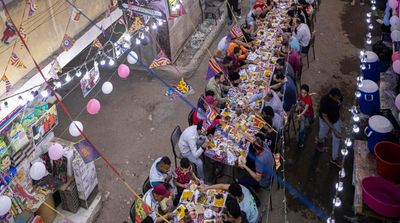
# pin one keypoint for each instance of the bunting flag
(258, 122)
(54, 70)
(213, 68)
(108, 11)
(76, 15)
(235, 32)
(67, 42)
(9, 33)
(121, 20)
(87, 152)
(97, 44)
(16, 62)
(160, 60)
(32, 7)
(176, 10)
(184, 88)
(136, 25)
(8, 83)
(211, 114)
(23, 35)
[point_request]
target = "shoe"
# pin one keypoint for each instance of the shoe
(336, 163)
(301, 146)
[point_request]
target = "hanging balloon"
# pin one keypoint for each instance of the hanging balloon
(107, 87)
(93, 106)
(393, 4)
(397, 101)
(56, 151)
(395, 25)
(132, 57)
(37, 171)
(396, 66)
(5, 205)
(395, 35)
(145, 41)
(394, 19)
(123, 71)
(73, 130)
(395, 56)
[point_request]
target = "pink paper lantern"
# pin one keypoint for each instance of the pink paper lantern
(393, 4)
(123, 71)
(396, 66)
(56, 151)
(93, 106)
(395, 56)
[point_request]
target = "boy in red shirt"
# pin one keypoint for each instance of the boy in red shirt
(306, 112)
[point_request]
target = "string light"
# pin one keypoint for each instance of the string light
(146, 28)
(126, 36)
(79, 73)
(68, 78)
(344, 151)
(141, 35)
(339, 186)
(337, 202)
(58, 84)
(102, 62)
(368, 20)
(357, 94)
(356, 129)
(373, 7)
(369, 35)
(154, 26)
(160, 22)
(370, 26)
(118, 52)
(137, 41)
(356, 118)
(44, 93)
(330, 220)
(348, 142)
(369, 41)
(342, 173)
(369, 14)
(127, 45)
(111, 62)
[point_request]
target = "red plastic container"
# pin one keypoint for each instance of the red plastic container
(381, 195)
(388, 161)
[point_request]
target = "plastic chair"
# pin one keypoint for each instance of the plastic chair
(305, 52)
(175, 135)
(146, 185)
(190, 117)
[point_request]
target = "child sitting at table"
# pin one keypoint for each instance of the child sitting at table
(182, 177)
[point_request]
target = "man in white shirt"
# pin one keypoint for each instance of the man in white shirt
(302, 34)
(192, 145)
(160, 171)
(270, 99)
(152, 199)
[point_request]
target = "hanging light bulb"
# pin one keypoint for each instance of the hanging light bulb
(348, 142)
(363, 67)
(356, 129)
(344, 152)
(68, 78)
(30, 97)
(96, 64)
(111, 62)
(118, 52)
(154, 26)
(370, 26)
(44, 93)
(137, 41)
(360, 78)
(342, 173)
(356, 118)
(337, 202)
(79, 73)
(359, 84)
(159, 22)
(102, 62)
(127, 36)
(339, 186)
(21, 101)
(146, 28)
(369, 41)
(330, 220)
(368, 20)
(369, 14)
(58, 84)
(141, 35)
(127, 45)
(373, 7)
(369, 35)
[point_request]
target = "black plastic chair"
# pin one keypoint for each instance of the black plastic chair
(190, 116)
(306, 51)
(146, 185)
(175, 135)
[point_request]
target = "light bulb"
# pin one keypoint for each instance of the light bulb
(363, 67)
(337, 202)
(159, 22)
(342, 173)
(362, 53)
(127, 37)
(344, 152)
(154, 26)
(356, 118)
(356, 129)
(369, 41)
(368, 20)
(370, 26)
(58, 84)
(369, 14)
(141, 35)
(348, 142)
(102, 62)
(330, 220)
(111, 62)
(68, 78)
(21, 101)
(137, 41)
(373, 7)
(127, 45)
(359, 84)
(118, 52)
(339, 186)
(44, 93)
(360, 78)
(369, 35)
(146, 28)
(79, 73)
(30, 97)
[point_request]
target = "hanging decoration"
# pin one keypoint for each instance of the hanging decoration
(7, 82)
(211, 115)
(121, 20)
(9, 33)
(76, 15)
(67, 42)
(87, 152)
(32, 7)
(136, 25)
(108, 11)
(55, 68)
(132, 57)
(97, 44)
(235, 32)
(123, 71)
(93, 106)
(160, 60)
(23, 35)
(16, 62)
(107, 87)
(176, 9)
(74, 128)
(213, 68)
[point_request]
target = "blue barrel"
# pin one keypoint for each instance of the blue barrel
(372, 67)
(379, 129)
(369, 99)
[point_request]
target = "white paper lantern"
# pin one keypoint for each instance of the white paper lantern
(132, 57)
(5, 205)
(37, 171)
(73, 130)
(107, 87)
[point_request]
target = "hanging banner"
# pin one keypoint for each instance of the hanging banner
(89, 80)
(76, 15)
(86, 151)
(44, 125)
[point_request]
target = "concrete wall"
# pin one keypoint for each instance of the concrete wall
(45, 31)
(181, 28)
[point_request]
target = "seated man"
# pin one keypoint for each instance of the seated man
(151, 201)
(268, 113)
(191, 145)
(243, 196)
(278, 80)
(215, 84)
(160, 171)
(289, 92)
(261, 177)
(270, 98)
(269, 136)
(303, 34)
(234, 214)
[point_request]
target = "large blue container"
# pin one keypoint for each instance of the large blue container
(369, 99)
(372, 67)
(379, 129)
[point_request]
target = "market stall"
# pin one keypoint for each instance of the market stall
(40, 171)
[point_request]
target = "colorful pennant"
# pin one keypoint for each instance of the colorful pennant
(184, 88)
(137, 24)
(9, 33)
(160, 60)
(23, 35)
(213, 68)
(235, 32)
(16, 62)
(76, 15)
(54, 69)
(121, 20)
(32, 7)
(97, 44)
(67, 42)
(211, 114)
(8, 83)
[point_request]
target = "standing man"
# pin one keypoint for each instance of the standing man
(233, 6)
(329, 120)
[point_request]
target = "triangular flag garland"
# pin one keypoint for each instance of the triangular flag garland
(136, 25)
(54, 69)
(67, 42)
(121, 20)
(23, 35)
(211, 114)
(160, 60)
(9, 33)
(97, 44)
(235, 32)
(76, 15)
(8, 83)
(16, 62)
(32, 7)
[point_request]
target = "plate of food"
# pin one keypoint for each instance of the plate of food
(219, 199)
(187, 196)
(202, 199)
(180, 212)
